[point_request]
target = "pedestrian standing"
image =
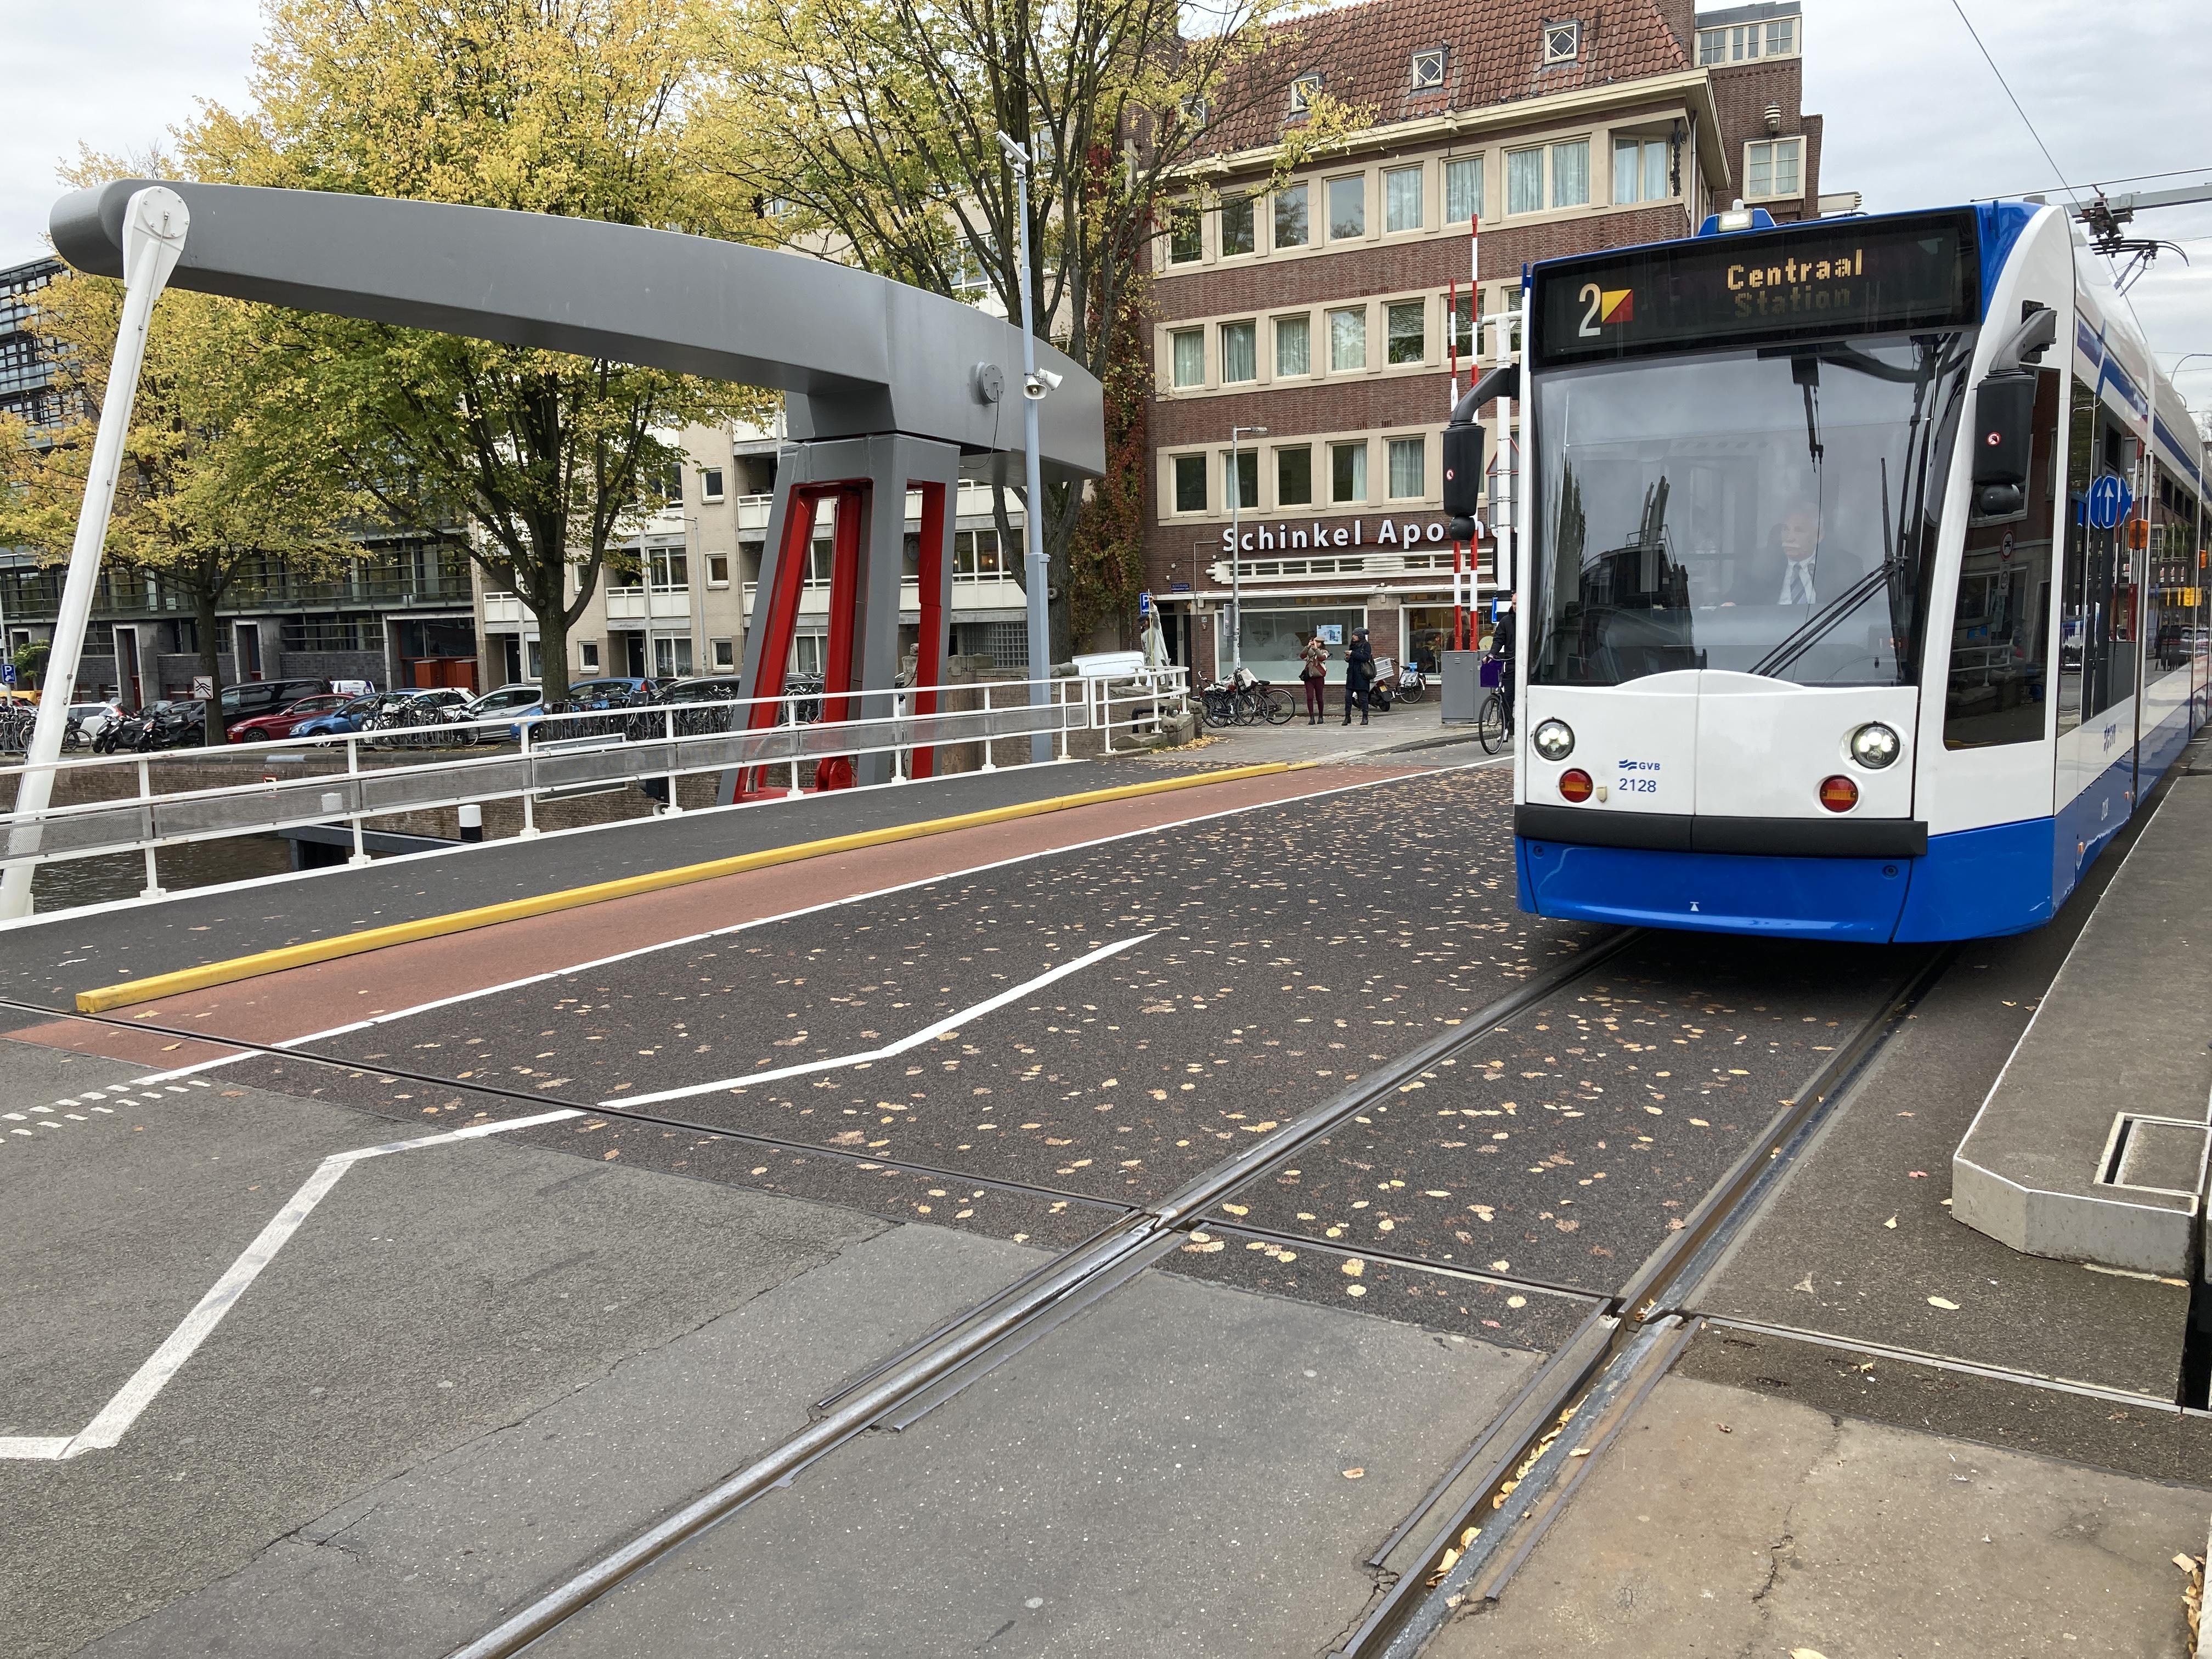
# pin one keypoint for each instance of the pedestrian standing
(1315, 675)
(1359, 674)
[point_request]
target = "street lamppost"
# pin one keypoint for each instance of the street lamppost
(1237, 436)
(1035, 388)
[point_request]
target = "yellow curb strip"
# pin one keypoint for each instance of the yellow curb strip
(103, 998)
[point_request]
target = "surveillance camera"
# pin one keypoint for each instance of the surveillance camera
(1040, 383)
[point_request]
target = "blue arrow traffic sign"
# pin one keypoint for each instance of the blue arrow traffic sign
(2110, 498)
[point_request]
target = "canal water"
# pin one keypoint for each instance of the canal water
(73, 882)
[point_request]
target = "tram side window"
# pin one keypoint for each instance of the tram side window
(2170, 582)
(2001, 630)
(2097, 614)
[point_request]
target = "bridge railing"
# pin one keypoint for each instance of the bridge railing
(110, 804)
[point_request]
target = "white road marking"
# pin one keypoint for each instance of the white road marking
(529, 980)
(927, 1034)
(116, 1417)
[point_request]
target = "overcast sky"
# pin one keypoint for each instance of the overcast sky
(1915, 118)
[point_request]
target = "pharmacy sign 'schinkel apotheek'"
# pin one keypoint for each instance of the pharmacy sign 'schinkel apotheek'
(1396, 533)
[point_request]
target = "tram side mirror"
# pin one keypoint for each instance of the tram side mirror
(1462, 470)
(2005, 438)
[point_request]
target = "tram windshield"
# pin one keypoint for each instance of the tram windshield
(1771, 511)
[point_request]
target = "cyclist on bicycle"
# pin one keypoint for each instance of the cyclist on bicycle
(1501, 648)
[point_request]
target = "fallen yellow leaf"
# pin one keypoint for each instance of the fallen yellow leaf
(1940, 1302)
(1353, 1475)
(1355, 1267)
(1890, 1223)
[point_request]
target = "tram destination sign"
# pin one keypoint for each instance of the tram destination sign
(1832, 277)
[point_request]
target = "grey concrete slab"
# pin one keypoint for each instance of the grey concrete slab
(51, 960)
(1165, 1475)
(2102, 1431)
(434, 1299)
(1859, 1237)
(2120, 1034)
(1725, 1523)
(422, 1561)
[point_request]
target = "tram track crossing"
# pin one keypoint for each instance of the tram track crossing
(1118, 1239)
(1625, 1341)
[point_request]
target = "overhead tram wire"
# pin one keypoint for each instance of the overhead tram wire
(2058, 172)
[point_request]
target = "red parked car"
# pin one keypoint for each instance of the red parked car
(267, 728)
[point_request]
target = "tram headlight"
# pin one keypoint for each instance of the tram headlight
(1875, 745)
(1555, 740)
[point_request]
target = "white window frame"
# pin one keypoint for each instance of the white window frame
(587, 656)
(1176, 508)
(1251, 205)
(1175, 337)
(1570, 31)
(1420, 202)
(723, 654)
(1642, 142)
(710, 484)
(1392, 449)
(1177, 211)
(1428, 70)
(1552, 168)
(1465, 163)
(1303, 87)
(1252, 332)
(1329, 331)
(1792, 141)
(1543, 176)
(1328, 206)
(718, 561)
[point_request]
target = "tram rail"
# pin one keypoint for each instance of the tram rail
(1523, 1466)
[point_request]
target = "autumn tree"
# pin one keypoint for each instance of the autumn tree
(214, 481)
(870, 128)
(574, 107)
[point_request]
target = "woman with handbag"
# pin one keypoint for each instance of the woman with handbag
(1313, 675)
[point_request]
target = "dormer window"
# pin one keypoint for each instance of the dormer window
(1563, 42)
(1194, 111)
(1428, 69)
(1303, 91)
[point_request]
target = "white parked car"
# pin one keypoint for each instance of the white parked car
(94, 718)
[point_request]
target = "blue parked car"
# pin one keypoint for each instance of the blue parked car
(351, 719)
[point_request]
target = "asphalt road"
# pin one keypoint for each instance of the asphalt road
(1114, 1020)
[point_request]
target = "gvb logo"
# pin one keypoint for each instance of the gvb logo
(1605, 305)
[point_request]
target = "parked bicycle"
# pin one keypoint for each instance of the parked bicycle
(1244, 699)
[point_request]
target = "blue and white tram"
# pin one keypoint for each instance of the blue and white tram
(1862, 594)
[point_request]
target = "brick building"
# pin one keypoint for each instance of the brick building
(1320, 309)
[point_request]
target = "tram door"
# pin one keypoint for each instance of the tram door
(2100, 654)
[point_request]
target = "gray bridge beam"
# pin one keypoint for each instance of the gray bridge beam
(856, 354)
